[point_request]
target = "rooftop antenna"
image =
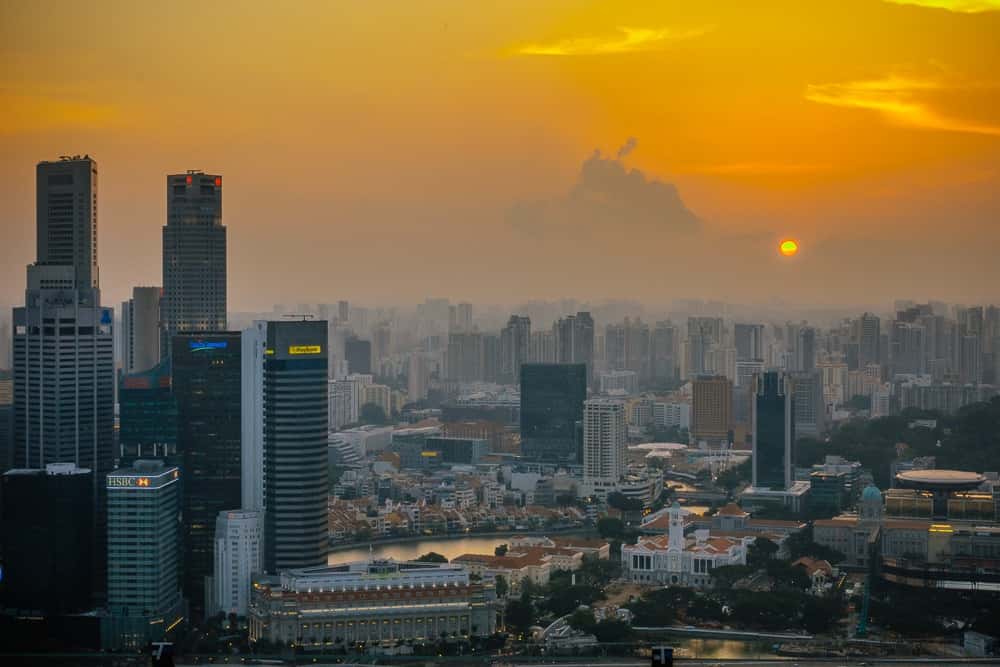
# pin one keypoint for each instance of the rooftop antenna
(299, 316)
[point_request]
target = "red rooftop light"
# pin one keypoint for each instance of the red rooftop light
(218, 181)
(188, 179)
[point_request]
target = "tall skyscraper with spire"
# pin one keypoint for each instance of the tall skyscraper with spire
(63, 340)
(194, 256)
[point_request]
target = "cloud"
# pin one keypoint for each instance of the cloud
(896, 98)
(608, 204)
(626, 40)
(28, 112)
(627, 147)
(958, 6)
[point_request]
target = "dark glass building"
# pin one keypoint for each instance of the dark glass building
(206, 382)
(147, 416)
(194, 256)
(552, 397)
(358, 354)
(285, 445)
(47, 535)
(773, 431)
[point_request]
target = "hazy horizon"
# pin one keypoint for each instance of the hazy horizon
(505, 154)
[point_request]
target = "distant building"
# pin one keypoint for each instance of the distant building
(458, 450)
(237, 560)
(358, 354)
(551, 399)
(774, 432)
(194, 256)
(604, 441)
(515, 341)
(144, 597)
(622, 383)
(749, 340)
(712, 405)
(574, 339)
(141, 337)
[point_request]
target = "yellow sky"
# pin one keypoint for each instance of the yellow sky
(390, 150)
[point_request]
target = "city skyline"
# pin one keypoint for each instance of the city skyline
(875, 148)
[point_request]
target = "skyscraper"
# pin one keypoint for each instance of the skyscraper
(574, 336)
(515, 340)
(711, 409)
(749, 341)
(866, 333)
(664, 345)
(358, 354)
(46, 536)
(140, 336)
(285, 427)
(194, 256)
(774, 431)
(552, 397)
(144, 597)
(604, 439)
(147, 416)
(63, 341)
(207, 387)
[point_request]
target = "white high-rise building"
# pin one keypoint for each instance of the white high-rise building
(237, 559)
(604, 440)
(140, 340)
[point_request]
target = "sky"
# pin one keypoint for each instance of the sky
(499, 152)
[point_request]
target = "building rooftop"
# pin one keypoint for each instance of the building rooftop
(949, 480)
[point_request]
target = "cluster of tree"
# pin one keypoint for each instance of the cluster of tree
(606, 630)
(731, 479)
(802, 544)
(432, 557)
(969, 440)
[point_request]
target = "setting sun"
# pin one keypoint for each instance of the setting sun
(789, 247)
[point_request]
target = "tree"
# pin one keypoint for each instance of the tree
(500, 550)
(372, 413)
(500, 583)
(432, 557)
(624, 503)
(761, 551)
(519, 615)
(582, 620)
(859, 402)
(732, 478)
(611, 528)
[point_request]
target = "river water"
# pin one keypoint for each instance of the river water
(409, 550)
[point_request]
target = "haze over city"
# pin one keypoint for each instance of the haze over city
(594, 150)
(621, 333)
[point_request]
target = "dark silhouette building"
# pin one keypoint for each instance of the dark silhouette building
(194, 256)
(358, 353)
(147, 416)
(47, 536)
(552, 397)
(774, 431)
(207, 388)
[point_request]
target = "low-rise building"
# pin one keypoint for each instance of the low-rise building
(369, 601)
(678, 560)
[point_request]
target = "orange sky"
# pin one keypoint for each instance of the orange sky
(385, 151)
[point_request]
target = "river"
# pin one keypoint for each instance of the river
(449, 548)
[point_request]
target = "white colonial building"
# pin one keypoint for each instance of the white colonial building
(678, 560)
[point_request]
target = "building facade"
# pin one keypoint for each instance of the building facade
(194, 256)
(605, 437)
(370, 601)
(285, 433)
(237, 560)
(140, 335)
(144, 597)
(207, 388)
(552, 397)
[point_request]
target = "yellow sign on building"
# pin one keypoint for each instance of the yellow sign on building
(305, 349)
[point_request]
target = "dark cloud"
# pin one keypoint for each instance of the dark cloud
(627, 148)
(608, 200)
